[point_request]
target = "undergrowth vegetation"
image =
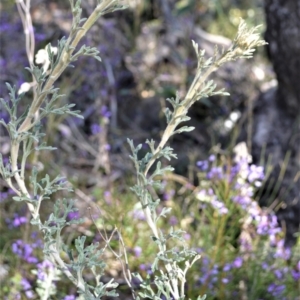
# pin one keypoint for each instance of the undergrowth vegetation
(154, 235)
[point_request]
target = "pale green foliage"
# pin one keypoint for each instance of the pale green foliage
(169, 275)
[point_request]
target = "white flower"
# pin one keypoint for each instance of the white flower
(234, 116)
(42, 57)
(241, 153)
(25, 87)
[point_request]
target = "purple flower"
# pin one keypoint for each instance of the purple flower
(245, 244)
(137, 251)
(95, 129)
(215, 269)
(187, 236)
(219, 206)
(202, 165)
(278, 274)
(107, 147)
(296, 272)
(25, 284)
(173, 221)
(146, 267)
(282, 251)
(24, 251)
(215, 173)
(108, 197)
(168, 195)
(37, 243)
(3, 196)
(256, 173)
(18, 221)
(254, 209)
(69, 297)
(138, 214)
(234, 171)
(43, 269)
(267, 225)
(276, 290)
(27, 288)
(225, 280)
(73, 215)
(237, 263)
(105, 112)
(212, 158)
(227, 267)
(243, 201)
(29, 294)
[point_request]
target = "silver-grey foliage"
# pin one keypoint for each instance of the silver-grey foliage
(171, 264)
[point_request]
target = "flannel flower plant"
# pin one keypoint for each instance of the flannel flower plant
(169, 269)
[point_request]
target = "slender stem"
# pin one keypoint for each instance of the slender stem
(61, 66)
(14, 167)
(8, 180)
(181, 111)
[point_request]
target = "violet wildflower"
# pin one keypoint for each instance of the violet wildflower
(219, 206)
(95, 128)
(227, 267)
(187, 236)
(43, 269)
(243, 201)
(107, 147)
(29, 294)
(282, 251)
(74, 215)
(105, 113)
(245, 244)
(215, 173)
(256, 173)
(276, 290)
(146, 267)
(234, 170)
(238, 262)
(253, 209)
(279, 273)
(225, 280)
(139, 215)
(267, 224)
(168, 194)
(173, 221)
(3, 196)
(69, 297)
(243, 169)
(19, 220)
(137, 251)
(212, 158)
(202, 165)
(37, 243)
(24, 251)
(296, 272)
(25, 284)
(108, 197)
(137, 212)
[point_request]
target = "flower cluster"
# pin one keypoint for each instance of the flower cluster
(229, 186)
(241, 178)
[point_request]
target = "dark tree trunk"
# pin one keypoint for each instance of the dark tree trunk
(277, 113)
(283, 36)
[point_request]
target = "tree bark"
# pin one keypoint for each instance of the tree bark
(276, 119)
(283, 36)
